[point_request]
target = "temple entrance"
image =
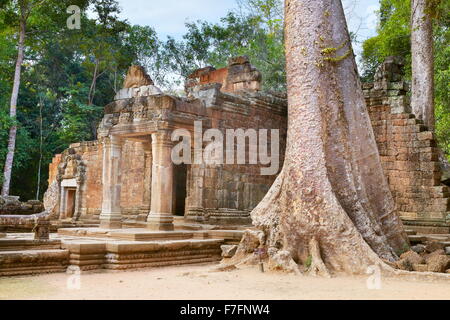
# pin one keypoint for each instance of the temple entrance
(179, 186)
(70, 202)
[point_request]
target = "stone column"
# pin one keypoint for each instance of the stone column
(144, 212)
(111, 216)
(63, 203)
(161, 213)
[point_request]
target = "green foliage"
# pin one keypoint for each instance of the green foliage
(72, 74)
(393, 39)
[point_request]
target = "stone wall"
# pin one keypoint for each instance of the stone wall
(136, 171)
(135, 195)
(240, 188)
(409, 152)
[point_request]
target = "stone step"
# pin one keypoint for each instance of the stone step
(13, 263)
(121, 255)
(410, 232)
(8, 244)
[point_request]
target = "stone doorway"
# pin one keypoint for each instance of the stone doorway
(70, 202)
(180, 189)
(69, 197)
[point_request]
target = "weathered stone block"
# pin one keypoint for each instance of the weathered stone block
(438, 263)
(228, 251)
(412, 257)
(420, 248)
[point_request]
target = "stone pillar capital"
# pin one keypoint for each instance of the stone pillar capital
(163, 138)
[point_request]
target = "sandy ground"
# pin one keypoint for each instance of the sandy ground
(199, 283)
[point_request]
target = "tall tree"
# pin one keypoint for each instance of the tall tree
(24, 7)
(422, 100)
(331, 205)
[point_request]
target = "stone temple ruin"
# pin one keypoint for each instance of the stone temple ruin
(126, 177)
(119, 202)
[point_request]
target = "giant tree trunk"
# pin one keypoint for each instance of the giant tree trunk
(331, 202)
(13, 106)
(422, 100)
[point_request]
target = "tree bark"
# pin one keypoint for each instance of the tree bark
(422, 100)
(331, 203)
(13, 105)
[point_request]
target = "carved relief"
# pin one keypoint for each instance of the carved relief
(72, 170)
(137, 77)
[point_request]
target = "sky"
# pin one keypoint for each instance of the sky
(168, 17)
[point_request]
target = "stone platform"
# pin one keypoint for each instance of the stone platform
(120, 249)
(124, 255)
(26, 262)
(93, 249)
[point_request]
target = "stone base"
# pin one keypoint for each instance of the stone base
(110, 225)
(160, 222)
(225, 217)
(160, 226)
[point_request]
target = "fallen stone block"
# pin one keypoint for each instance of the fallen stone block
(404, 264)
(438, 264)
(228, 251)
(434, 254)
(420, 248)
(412, 257)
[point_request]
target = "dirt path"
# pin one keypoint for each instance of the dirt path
(197, 282)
